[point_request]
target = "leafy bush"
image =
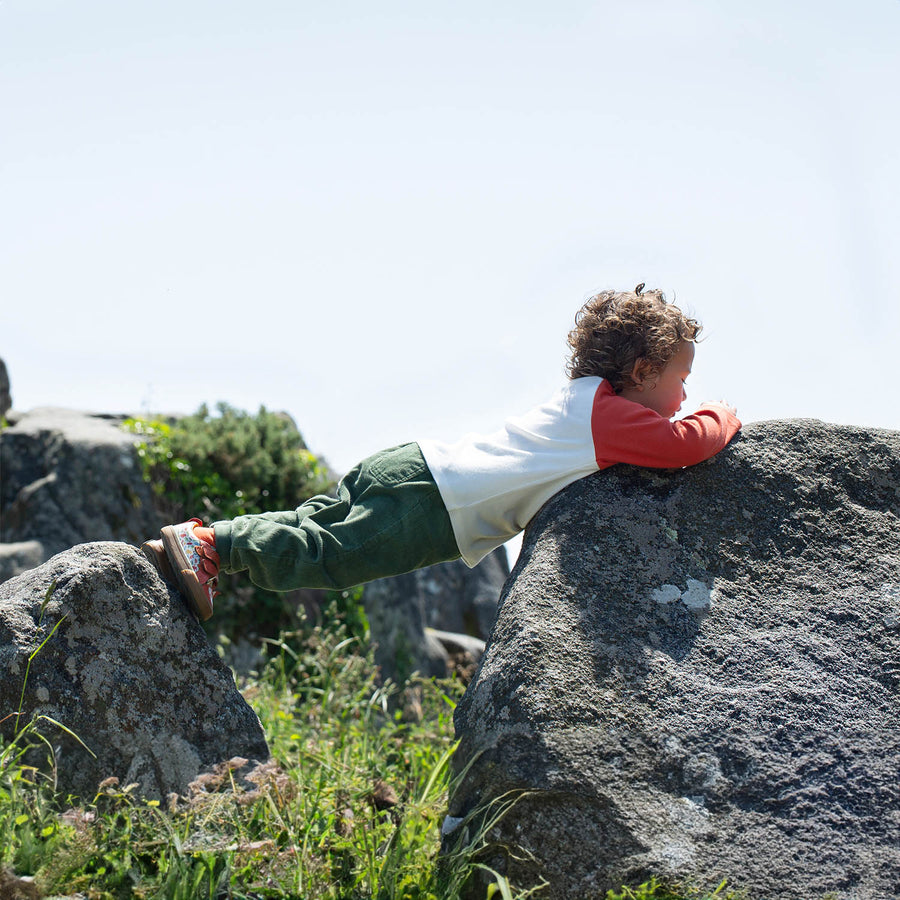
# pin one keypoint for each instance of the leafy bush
(229, 464)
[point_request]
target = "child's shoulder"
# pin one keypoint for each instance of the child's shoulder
(578, 390)
(572, 400)
(586, 384)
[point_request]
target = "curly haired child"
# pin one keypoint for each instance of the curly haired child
(423, 503)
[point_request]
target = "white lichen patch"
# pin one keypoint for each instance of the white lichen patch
(666, 594)
(698, 597)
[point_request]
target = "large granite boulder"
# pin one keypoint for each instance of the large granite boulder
(117, 659)
(696, 675)
(424, 621)
(69, 477)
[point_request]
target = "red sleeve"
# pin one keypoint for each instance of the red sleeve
(626, 432)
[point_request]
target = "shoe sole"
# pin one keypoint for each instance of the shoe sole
(195, 593)
(156, 553)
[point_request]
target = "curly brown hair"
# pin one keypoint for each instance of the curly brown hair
(613, 330)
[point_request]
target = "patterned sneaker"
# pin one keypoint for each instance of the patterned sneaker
(181, 547)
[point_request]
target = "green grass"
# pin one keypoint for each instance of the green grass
(349, 807)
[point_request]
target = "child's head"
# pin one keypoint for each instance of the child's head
(618, 334)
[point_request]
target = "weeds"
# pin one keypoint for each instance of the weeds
(653, 890)
(350, 806)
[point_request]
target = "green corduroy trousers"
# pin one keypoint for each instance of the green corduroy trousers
(387, 518)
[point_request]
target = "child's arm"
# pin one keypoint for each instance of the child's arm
(627, 432)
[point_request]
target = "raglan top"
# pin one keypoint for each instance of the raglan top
(493, 484)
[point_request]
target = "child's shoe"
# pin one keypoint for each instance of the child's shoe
(182, 549)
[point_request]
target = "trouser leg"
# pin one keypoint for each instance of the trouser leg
(387, 518)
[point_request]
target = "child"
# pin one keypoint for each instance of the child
(420, 504)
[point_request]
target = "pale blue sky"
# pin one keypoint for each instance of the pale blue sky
(382, 217)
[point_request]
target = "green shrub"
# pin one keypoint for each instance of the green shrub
(228, 464)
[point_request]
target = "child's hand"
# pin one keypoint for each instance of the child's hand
(724, 404)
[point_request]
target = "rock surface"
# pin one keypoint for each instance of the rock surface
(412, 617)
(696, 675)
(19, 557)
(125, 667)
(5, 398)
(71, 477)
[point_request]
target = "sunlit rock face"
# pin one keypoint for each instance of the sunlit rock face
(69, 477)
(696, 675)
(100, 657)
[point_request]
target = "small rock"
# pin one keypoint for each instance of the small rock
(117, 659)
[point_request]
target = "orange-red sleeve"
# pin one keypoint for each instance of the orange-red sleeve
(626, 432)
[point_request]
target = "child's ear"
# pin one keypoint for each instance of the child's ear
(639, 372)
